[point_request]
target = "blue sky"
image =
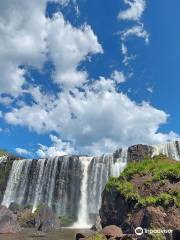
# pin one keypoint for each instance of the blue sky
(88, 76)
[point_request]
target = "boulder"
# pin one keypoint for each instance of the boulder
(115, 209)
(112, 231)
(79, 236)
(26, 218)
(8, 221)
(45, 220)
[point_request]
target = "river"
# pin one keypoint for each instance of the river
(29, 234)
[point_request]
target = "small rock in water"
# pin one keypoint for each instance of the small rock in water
(79, 236)
(38, 234)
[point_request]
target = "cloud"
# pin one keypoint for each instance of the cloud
(94, 119)
(150, 89)
(135, 10)
(58, 148)
(22, 151)
(133, 13)
(68, 47)
(136, 31)
(6, 100)
(28, 38)
(118, 76)
(22, 41)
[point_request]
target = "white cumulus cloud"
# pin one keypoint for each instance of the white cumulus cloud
(135, 10)
(97, 116)
(22, 151)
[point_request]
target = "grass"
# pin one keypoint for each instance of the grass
(158, 169)
(97, 236)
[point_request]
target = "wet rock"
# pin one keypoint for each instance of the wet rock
(8, 221)
(79, 236)
(45, 219)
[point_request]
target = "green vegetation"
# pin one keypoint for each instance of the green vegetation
(26, 218)
(4, 172)
(164, 200)
(97, 236)
(3, 152)
(127, 189)
(160, 167)
(66, 221)
(39, 207)
(157, 169)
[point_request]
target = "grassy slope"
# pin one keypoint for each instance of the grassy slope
(158, 169)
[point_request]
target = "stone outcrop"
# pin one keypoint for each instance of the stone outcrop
(45, 219)
(8, 221)
(139, 152)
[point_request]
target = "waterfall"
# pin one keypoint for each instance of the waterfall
(70, 185)
(83, 218)
(53, 181)
(3, 159)
(99, 171)
(170, 149)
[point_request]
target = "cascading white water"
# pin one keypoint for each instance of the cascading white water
(170, 149)
(3, 159)
(70, 185)
(119, 164)
(83, 218)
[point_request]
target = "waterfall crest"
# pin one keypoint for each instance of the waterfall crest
(170, 149)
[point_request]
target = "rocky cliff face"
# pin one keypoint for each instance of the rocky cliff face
(139, 152)
(147, 195)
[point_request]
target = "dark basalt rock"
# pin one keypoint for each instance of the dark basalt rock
(114, 209)
(79, 236)
(139, 152)
(8, 221)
